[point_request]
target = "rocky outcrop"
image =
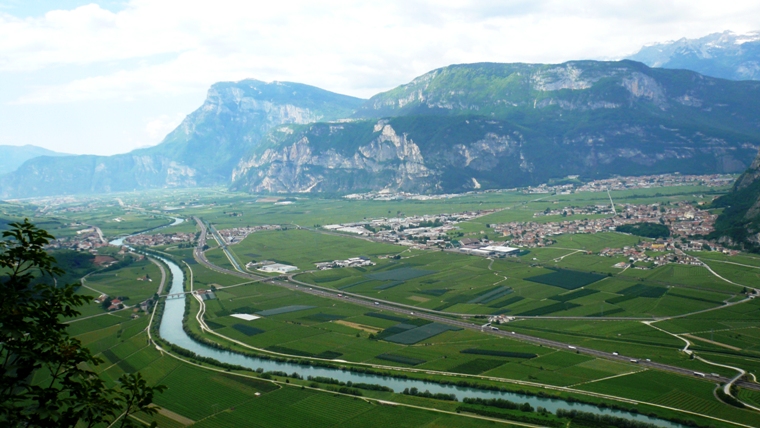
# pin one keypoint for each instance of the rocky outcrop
(739, 223)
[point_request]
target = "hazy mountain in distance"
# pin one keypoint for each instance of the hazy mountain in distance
(201, 151)
(11, 157)
(725, 55)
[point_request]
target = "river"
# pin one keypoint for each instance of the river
(171, 330)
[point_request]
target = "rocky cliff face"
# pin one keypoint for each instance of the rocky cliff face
(458, 128)
(739, 223)
(503, 125)
(202, 151)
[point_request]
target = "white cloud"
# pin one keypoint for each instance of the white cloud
(158, 127)
(355, 47)
(171, 48)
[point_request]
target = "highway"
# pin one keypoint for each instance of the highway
(393, 307)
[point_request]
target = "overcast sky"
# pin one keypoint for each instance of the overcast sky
(107, 77)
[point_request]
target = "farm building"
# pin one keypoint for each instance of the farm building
(501, 250)
(277, 268)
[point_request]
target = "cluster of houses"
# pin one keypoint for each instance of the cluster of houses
(352, 262)
(118, 303)
(237, 234)
(639, 254)
(85, 240)
(161, 239)
(566, 211)
(637, 182)
(661, 180)
(683, 219)
(386, 195)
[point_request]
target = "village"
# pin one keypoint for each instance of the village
(87, 239)
(638, 182)
(683, 220)
(161, 239)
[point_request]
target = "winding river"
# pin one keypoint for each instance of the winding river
(171, 330)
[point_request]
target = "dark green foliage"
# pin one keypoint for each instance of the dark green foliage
(214, 325)
(592, 420)
(392, 331)
(728, 399)
(289, 351)
(495, 353)
(545, 310)
(512, 415)
(110, 356)
(507, 302)
(647, 230)
(434, 292)
(638, 290)
(389, 285)
(608, 313)
(284, 310)
(491, 295)
(400, 359)
(247, 330)
(35, 342)
(329, 355)
(428, 394)
(698, 299)
(400, 274)
(385, 316)
(500, 403)
(574, 295)
(567, 279)
(419, 334)
(367, 386)
(323, 317)
(252, 383)
(405, 323)
(477, 366)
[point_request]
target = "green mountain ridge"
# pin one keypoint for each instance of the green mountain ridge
(457, 128)
(488, 125)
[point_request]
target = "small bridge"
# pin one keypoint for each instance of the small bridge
(177, 295)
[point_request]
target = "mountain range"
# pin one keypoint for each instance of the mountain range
(457, 128)
(726, 55)
(12, 157)
(201, 151)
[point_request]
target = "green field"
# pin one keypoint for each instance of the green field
(557, 281)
